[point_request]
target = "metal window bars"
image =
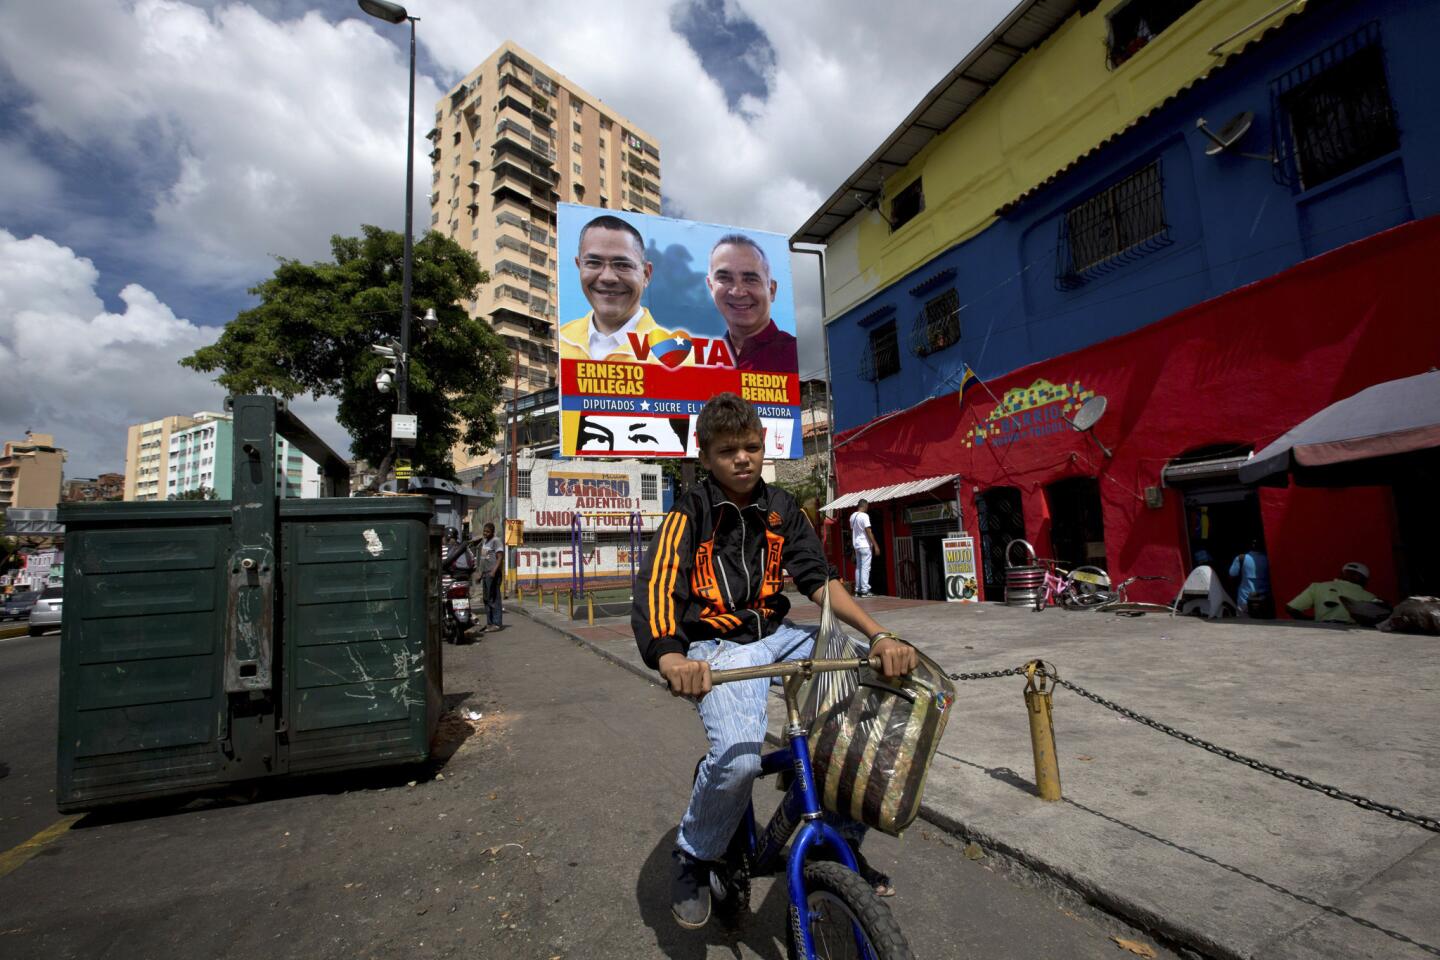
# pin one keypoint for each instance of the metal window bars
(882, 356)
(937, 325)
(1333, 113)
(1112, 228)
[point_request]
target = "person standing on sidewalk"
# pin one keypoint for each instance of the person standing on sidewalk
(862, 538)
(492, 571)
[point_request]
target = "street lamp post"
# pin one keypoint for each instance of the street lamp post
(394, 13)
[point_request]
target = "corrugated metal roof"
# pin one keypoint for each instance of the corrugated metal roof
(893, 492)
(1026, 27)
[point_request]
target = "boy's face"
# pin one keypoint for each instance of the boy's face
(734, 461)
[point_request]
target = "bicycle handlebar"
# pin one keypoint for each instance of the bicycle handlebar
(791, 668)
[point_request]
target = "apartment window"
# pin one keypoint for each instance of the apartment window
(1112, 228)
(576, 168)
(475, 234)
(576, 105)
(602, 183)
(576, 126)
(907, 204)
(602, 143)
(606, 123)
(1334, 113)
(522, 483)
(602, 159)
(882, 357)
(574, 147)
(1133, 25)
(938, 325)
(434, 218)
(456, 140)
(649, 486)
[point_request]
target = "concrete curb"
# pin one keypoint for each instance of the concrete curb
(1064, 884)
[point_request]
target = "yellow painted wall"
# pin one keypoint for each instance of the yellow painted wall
(1055, 105)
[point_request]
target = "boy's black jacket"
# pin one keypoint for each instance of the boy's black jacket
(716, 570)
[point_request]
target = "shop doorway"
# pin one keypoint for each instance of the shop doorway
(1222, 522)
(1077, 527)
(1000, 519)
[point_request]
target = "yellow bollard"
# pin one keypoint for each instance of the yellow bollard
(1042, 729)
(519, 595)
(590, 602)
(556, 600)
(571, 603)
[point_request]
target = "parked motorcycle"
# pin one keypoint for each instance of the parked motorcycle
(456, 569)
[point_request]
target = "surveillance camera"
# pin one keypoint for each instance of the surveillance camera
(383, 381)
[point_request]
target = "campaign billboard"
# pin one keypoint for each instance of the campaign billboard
(657, 315)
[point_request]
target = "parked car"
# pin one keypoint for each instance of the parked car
(17, 605)
(45, 615)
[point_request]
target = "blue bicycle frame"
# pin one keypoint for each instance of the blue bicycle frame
(799, 813)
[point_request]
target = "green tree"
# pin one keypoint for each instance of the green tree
(199, 493)
(315, 324)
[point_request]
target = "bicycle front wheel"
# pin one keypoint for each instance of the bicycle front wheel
(843, 908)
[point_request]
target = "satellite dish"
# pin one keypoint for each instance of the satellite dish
(1089, 413)
(1228, 135)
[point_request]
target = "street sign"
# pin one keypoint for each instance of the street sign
(404, 426)
(403, 470)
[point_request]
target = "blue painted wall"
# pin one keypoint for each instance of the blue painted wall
(1231, 219)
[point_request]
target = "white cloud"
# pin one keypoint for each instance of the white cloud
(82, 373)
(280, 133)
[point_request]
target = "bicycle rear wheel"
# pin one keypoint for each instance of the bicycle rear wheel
(840, 903)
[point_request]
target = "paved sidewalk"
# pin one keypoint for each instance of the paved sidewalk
(1203, 851)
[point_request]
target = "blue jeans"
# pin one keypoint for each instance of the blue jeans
(734, 718)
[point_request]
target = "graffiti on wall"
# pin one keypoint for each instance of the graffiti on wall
(1028, 413)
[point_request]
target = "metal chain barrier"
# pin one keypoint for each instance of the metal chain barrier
(1365, 803)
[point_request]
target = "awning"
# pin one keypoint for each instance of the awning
(893, 492)
(1355, 440)
(1203, 471)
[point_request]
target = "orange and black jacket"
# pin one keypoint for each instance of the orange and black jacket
(716, 570)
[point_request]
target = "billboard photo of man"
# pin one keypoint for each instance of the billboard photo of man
(742, 289)
(613, 276)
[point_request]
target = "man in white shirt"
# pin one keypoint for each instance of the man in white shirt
(862, 538)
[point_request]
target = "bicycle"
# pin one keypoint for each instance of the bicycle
(831, 905)
(1119, 601)
(1078, 588)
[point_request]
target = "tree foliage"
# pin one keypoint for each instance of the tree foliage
(315, 324)
(199, 493)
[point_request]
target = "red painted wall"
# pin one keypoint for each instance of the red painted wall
(1242, 368)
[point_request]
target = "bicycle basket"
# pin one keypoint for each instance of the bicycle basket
(871, 751)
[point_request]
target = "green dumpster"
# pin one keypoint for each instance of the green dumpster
(209, 642)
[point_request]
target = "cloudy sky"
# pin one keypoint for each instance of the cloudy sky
(157, 155)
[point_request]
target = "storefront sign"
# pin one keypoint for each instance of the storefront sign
(656, 319)
(605, 496)
(960, 582)
(930, 512)
(1029, 413)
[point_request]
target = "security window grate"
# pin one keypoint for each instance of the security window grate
(649, 487)
(522, 483)
(1133, 25)
(882, 358)
(1112, 228)
(1333, 112)
(937, 326)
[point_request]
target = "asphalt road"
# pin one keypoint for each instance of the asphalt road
(544, 832)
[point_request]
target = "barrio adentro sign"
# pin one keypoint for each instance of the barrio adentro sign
(657, 316)
(1028, 413)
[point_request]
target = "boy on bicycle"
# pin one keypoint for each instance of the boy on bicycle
(709, 597)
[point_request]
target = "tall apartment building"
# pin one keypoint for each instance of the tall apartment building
(30, 472)
(147, 456)
(509, 142)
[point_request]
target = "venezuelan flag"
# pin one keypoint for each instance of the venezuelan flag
(967, 381)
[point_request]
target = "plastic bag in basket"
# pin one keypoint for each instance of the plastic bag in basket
(872, 740)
